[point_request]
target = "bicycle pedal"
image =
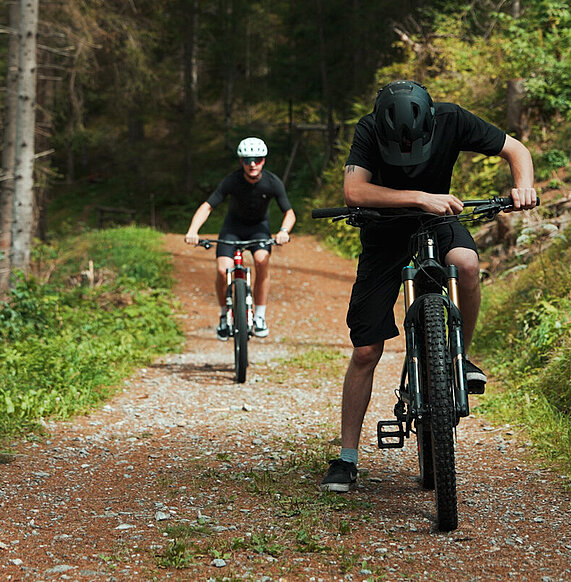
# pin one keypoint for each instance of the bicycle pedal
(383, 433)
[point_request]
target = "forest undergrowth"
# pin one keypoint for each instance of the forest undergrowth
(98, 305)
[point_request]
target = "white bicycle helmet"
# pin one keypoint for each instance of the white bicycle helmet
(252, 147)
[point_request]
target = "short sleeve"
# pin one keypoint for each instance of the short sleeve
(219, 194)
(477, 135)
(364, 149)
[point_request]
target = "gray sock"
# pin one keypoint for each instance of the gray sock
(350, 456)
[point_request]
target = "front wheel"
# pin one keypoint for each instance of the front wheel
(425, 460)
(240, 330)
(442, 413)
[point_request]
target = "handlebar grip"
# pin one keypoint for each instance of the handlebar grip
(508, 202)
(329, 212)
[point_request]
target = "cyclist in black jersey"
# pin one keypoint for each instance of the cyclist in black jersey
(250, 191)
(403, 155)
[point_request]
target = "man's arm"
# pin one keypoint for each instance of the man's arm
(199, 218)
(359, 191)
(288, 221)
(521, 167)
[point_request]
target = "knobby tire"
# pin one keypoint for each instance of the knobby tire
(424, 435)
(442, 413)
(240, 330)
(425, 460)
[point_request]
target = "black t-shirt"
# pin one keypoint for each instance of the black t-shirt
(249, 203)
(456, 130)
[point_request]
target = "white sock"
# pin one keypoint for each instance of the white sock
(223, 310)
(260, 311)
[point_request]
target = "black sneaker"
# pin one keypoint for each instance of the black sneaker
(222, 331)
(341, 476)
(476, 379)
(260, 327)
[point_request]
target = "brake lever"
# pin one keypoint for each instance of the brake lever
(490, 210)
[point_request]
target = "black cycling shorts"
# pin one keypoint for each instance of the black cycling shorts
(370, 316)
(234, 230)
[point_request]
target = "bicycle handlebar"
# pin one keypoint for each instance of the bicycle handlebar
(489, 208)
(330, 212)
(208, 242)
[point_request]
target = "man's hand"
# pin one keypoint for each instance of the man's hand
(524, 198)
(282, 237)
(191, 238)
(521, 166)
(441, 204)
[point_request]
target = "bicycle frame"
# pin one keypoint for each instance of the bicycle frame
(239, 271)
(239, 301)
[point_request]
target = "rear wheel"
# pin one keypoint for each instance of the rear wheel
(240, 330)
(442, 413)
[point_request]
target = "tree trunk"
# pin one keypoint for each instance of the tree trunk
(45, 107)
(10, 106)
(190, 57)
(323, 67)
(514, 94)
(514, 97)
(23, 202)
(232, 14)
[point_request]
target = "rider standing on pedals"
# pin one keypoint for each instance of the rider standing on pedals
(250, 189)
(402, 156)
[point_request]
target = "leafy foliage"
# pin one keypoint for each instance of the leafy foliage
(537, 48)
(64, 345)
(549, 162)
(524, 336)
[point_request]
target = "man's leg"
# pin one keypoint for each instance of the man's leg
(468, 288)
(469, 295)
(262, 281)
(222, 264)
(357, 389)
(261, 291)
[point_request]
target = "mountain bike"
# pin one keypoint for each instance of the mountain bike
(239, 303)
(433, 392)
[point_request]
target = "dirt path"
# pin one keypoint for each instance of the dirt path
(185, 468)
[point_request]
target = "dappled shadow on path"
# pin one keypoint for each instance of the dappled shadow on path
(197, 372)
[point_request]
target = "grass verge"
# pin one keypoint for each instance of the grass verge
(524, 340)
(97, 306)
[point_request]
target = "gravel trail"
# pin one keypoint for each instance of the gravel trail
(183, 454)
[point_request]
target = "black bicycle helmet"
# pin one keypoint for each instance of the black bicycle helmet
(404, 120)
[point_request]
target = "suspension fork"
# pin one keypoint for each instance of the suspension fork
(249, 302)
(412, 345)
(239, 271)
(456, 342)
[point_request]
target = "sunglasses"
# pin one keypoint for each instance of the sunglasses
(248, 161)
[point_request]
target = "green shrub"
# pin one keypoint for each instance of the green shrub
(548, 162)
(524, 338)
(66, 345)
